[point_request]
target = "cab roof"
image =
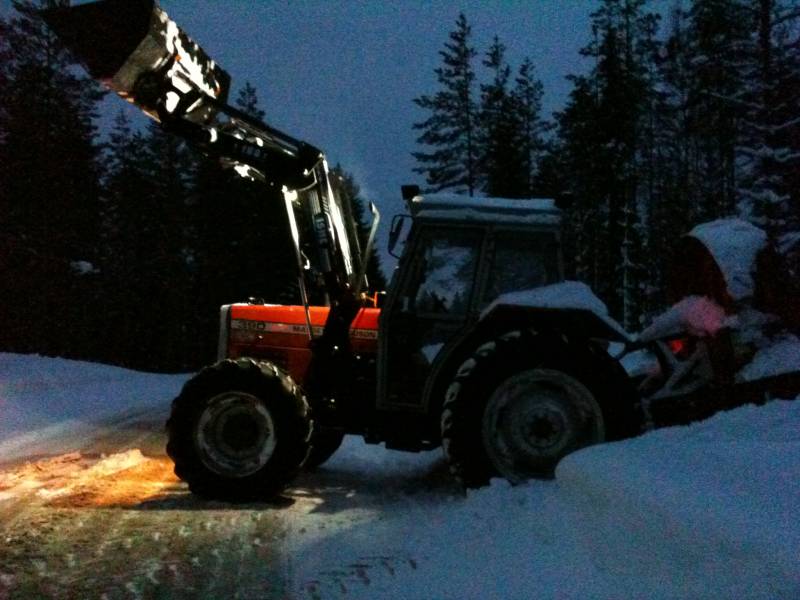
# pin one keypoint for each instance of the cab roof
(455, 207)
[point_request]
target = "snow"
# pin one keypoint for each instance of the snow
(471, 214)
(459, 200)
(673, 514)
(431, 351)
(788, 241)
(779, 357)
(541, 211)
(696, 315)
(706, 510)
(734, 244)
(570, 295)
(83, 267)
(43, 397)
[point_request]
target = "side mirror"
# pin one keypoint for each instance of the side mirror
(395, 231)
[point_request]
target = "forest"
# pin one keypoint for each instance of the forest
(689, 112)
(120, 245)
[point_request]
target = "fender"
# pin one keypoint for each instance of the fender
(500, 318)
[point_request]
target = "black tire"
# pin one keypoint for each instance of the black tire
(239, 431)
(323, 445)
(580, 396)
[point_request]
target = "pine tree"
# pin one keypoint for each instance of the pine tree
(450, 129)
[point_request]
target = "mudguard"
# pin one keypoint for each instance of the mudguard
(569, 309)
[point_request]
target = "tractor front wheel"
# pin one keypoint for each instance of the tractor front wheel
(239, 431)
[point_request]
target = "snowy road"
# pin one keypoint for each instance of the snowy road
(113, 521)
(80, 525)
(704, 511)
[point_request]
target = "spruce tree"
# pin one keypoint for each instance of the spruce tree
(717, 37)
(247, 102)
(673, 198)
(527, 96)
(602, 136)
(500, 150)
(49, 201)
(769, 153)
(242, 247)
(123, 210)
(449, 132)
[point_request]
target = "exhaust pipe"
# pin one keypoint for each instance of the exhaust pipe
(133, 48)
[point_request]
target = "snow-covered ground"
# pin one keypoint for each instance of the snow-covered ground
(705, 511)
(46, 399)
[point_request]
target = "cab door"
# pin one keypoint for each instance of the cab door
(433, 298)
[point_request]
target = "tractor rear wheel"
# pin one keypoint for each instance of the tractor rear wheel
(239, 431)
(524, 401)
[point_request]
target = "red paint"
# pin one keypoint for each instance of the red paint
(280, 334)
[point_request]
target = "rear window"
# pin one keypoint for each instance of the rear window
(521, 263)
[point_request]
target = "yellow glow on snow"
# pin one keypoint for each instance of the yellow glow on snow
(73, 480)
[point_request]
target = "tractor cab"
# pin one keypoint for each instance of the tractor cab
(459, 254)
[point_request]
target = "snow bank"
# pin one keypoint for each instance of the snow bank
(709, 507)
(570, 295)
(678, 513)
(779, 357)
(734, 244)
(41, 398)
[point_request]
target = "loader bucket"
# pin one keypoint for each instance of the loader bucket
(133, 48)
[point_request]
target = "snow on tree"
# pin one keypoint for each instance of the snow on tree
(769, 93)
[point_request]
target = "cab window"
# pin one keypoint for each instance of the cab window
(521, 263)
(447, 272)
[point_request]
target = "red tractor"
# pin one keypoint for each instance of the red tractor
(479, 345)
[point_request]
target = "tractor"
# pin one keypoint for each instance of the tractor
(478, 346)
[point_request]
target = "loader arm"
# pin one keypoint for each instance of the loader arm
(133, 48)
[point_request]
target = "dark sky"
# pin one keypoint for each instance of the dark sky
(342, 75)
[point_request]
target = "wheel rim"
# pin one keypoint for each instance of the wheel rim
(535, 418)
(235, 435)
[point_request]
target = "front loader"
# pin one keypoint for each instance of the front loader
(480, 346)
